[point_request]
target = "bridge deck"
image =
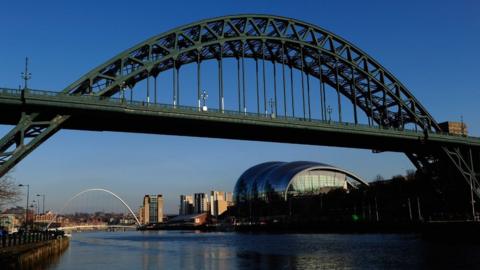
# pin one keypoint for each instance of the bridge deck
(112, 114)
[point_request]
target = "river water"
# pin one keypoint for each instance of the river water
(198, 250)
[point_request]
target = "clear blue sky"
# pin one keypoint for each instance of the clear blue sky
(432, 47)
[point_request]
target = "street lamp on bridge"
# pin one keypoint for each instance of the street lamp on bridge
(26, 75)
(271, 102)
(329, 110)
(204, 97)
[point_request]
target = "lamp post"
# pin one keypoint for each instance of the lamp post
(329, 110)
(26, 75)
(271, 102)
(43, 204)
(33, 213)
(204, 97)
(26, 208)
(37, 203)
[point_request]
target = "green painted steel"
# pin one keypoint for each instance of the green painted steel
(220, 38)
(50, 100)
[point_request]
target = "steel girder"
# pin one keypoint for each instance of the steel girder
(283, 40)
(464, 161)
(297, 44)
(29, 133)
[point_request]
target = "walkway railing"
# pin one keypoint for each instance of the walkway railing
(151, 105)
(16, 239)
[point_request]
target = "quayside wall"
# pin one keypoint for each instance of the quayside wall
(34, 255)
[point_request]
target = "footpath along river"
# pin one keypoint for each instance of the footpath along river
(198, 250)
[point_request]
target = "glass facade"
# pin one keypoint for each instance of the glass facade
(272, 181)
(316, 182)
(153, 210)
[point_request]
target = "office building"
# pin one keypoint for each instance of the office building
(201, 203)
(186, 205)
(218, 203)
(152, 210)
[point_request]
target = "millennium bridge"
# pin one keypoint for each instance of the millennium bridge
(272, 78)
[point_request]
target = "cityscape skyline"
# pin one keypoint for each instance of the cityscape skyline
(132, 164)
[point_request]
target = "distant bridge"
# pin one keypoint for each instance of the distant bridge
(286, 79)
(94, 227)
(93, 190)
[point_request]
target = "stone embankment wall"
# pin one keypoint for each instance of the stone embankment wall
(32, 256)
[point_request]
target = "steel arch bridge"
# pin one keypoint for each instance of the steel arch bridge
(300, 71)
(93, 190)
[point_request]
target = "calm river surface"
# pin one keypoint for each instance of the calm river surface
(197, 250)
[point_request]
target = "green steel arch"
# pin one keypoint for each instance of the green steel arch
(303, 46)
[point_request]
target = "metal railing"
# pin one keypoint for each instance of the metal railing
(18, 239)
(163, 106)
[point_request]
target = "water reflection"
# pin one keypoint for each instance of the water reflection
(183, 250)
(194, 250)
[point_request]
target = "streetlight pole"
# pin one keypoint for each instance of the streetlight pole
(37, 203)
(329, 110)
(26, 208)
(204, 97)
(43, 207)
(26, 75)
(271, 102)
(33, 213)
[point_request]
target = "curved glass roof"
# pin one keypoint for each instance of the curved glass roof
(276, 176)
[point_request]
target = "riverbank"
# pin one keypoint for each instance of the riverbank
(34, 255)
(443, 231)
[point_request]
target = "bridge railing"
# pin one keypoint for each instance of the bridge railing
(17, 239)
(10, 91)
(150, 105)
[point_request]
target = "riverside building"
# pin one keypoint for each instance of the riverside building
(214, 205)
(279, 188)
(152, 210)
(186, 205)
(201, 203)
(220, 201)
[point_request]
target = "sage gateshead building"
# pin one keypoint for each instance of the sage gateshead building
(280, 188)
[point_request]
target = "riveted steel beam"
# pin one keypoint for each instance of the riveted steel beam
(28, 134)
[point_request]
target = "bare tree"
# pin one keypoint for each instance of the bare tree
(9, 191)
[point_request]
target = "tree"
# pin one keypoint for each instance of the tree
(411, 175)
(9, 191)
